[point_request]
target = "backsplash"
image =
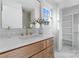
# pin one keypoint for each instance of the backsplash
(10, 33)
(4, 33)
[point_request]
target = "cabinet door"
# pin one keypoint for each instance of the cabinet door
(50, 52)
(39, 55)
(45, 44)
(50, 42)
(47, 53)
(4, 56)
(42, 54)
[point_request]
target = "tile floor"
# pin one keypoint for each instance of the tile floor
(67, 52)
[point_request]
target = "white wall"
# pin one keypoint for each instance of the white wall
(54, 19)
(60, 40)
(35, 13)
(11, 15)
(0, 15)
(70, 10)
(57, 29)
(69, 3)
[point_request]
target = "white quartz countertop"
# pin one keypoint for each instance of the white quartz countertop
(7, 44)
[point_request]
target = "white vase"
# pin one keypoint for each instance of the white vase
(41, 29)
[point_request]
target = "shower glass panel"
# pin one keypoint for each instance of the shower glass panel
(75, 32)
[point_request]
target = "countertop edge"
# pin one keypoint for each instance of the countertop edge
(8, 50)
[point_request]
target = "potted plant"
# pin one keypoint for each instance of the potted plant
(40, 21)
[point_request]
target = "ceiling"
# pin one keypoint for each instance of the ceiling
(31, 4)
(62, 3)
(69, 3)
(52, 1)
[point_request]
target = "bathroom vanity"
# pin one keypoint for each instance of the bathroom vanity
(19, 14)
(32, 47)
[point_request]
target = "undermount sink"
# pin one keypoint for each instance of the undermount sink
(24, 37)
(29, 36)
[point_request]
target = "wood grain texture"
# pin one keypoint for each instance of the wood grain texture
(42, 49)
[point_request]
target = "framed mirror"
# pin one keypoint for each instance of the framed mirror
(18, 13)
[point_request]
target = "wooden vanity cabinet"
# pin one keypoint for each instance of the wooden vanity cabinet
(41, 49)
(47, 53)
(50, 42)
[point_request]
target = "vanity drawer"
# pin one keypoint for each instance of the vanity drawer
(47, 53)
(25, 51)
